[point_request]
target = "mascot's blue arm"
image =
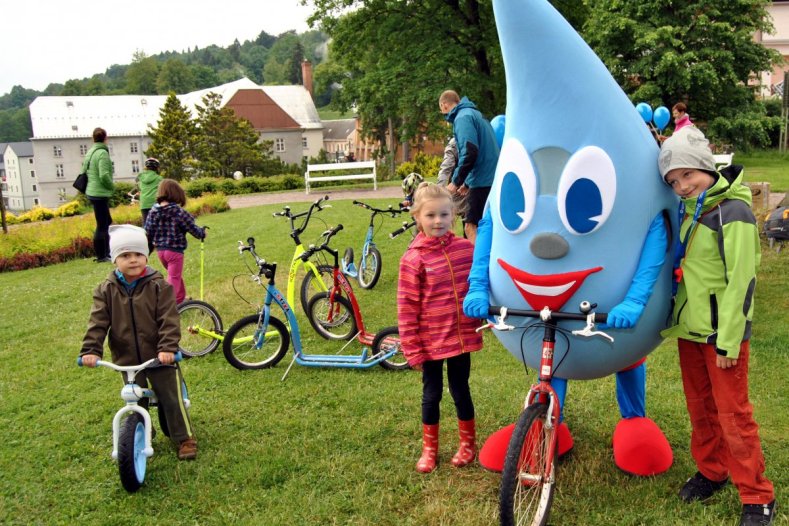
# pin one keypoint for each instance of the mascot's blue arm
(476, 303)
(653, 255)
(623, 316)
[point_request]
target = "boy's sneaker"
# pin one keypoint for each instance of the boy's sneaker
(757, 514)
(188, 449)
(699, 487)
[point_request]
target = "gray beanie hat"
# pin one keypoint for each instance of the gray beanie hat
(127, 238)
(687, 148)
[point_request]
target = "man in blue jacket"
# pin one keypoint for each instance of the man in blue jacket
(478, 153)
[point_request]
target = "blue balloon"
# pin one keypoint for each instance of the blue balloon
(497, 123)
(661, 117)
(645, 110)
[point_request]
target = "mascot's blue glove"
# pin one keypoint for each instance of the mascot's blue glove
(653, 254)
(476, 303)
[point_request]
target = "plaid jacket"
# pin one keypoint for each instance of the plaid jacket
(167, 226)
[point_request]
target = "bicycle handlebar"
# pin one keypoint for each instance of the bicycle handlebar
(392, 211)
(406, 226)
(547, 314)
(306, 215)
(327, 235)
(153, 362)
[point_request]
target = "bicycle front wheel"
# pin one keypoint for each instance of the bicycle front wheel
(311, 286)
(332, 319)
(529, 475)
(197, 319)
(370, 268)
(386, 341)
(131, 457)
(249, 344)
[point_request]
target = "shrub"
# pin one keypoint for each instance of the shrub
(37, 213)
(120, 194)
(425, 165)
(10, 218)
(69, 209)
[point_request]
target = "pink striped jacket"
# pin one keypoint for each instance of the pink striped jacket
(430, 292)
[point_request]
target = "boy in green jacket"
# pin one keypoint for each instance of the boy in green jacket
(148, 185)
(715, 261)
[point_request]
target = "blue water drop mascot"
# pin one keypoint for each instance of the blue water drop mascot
(577, 212)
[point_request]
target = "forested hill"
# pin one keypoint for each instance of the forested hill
(266, 60)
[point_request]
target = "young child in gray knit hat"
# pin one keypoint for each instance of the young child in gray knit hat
(716, 257)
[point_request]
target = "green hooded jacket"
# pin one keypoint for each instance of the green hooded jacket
(98, 166)
(148, 181)
(714, 302)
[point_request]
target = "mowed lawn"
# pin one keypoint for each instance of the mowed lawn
(327, 446)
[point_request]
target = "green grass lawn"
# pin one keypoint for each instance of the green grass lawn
(327, 446)
(766, 165)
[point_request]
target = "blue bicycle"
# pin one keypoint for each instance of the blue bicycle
(261, 340)
(370, 265)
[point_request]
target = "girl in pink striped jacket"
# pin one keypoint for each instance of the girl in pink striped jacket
(433, 328)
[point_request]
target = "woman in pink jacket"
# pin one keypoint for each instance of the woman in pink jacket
(433, 328)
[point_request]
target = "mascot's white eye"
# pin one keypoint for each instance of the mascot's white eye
(587, 190)
(517, 187)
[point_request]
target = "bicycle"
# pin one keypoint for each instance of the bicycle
(529, 475)
(336, 314)
(260, 341)
(370, 265)
(309, 287)
(407, 227)
(131, 439)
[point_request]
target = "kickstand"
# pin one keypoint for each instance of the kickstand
(288, 369)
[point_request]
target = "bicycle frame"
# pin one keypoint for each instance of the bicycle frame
(297, 261)
(341, 284)
(350, 269)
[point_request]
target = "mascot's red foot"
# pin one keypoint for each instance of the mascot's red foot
(492, 454)
(641, 448)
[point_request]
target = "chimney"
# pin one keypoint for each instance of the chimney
(306, 75)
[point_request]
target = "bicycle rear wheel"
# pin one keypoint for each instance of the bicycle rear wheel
(250, 345)
(387, 340)
(370, 268)
(333, 320)
(529, 475)
(196, 315)
(131, 457)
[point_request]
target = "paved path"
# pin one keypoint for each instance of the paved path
(298, 196)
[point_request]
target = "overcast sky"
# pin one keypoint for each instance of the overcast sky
(45, 41)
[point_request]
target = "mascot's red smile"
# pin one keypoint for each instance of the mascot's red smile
(547, 290)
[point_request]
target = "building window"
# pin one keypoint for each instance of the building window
(30, 161)
(57, 150)
(32, 174)
(61, 194)
(35, 201)
(133, 147)
(83, 149)
(304, 142)
(59, 172)
(35, 188)
(135, 167)
(279, 145)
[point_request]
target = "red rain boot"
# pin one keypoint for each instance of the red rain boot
(427, 462)
(467, 451)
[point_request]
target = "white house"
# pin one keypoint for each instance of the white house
(63, 127)
(20, 183)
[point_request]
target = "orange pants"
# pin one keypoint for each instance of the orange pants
(724, 439)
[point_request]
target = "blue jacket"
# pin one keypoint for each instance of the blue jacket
(478, 151)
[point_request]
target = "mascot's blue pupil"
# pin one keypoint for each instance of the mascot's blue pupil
(583, 202)
(512, 201)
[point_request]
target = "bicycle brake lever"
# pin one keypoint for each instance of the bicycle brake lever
(499, 325)
(588, 331)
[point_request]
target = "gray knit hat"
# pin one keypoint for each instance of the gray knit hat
(687, 148)
(127, 238)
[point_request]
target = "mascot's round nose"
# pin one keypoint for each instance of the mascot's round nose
(549, 246)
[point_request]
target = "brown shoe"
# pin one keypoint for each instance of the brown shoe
(188, 449)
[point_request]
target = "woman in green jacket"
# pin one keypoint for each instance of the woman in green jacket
(98, 166)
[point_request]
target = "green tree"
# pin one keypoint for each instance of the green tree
(225, 142)
(279, 68)
(393, 59)
(174, 139)
(15, 125)
(700, 52)
(204, 76)
(175, 76)
(142, 74)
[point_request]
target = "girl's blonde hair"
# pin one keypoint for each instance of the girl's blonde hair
(426, 192)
